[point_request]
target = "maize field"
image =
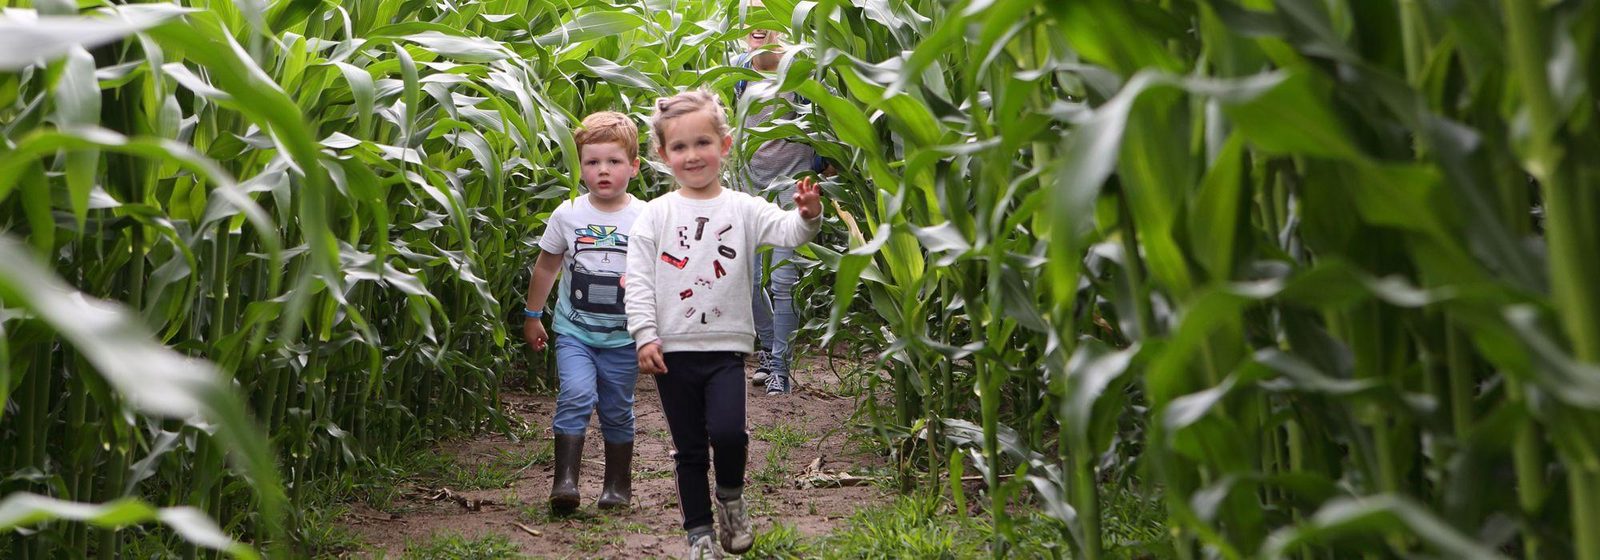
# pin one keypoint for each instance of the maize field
(1323, 275)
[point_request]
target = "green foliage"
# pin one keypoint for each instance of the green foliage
(1322, 271)
(783, 439)
(478, 476)
(1315, 269)
(457, 547)
(327, 203)
(780, 542)
(781, 435)
(916, 527)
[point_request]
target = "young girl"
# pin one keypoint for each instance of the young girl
(688, 302)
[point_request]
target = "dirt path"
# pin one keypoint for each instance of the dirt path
(788, 435)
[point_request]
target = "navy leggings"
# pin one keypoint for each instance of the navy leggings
(702, 396)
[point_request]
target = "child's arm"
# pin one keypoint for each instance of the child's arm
(781, 228)
(544, 276)
(640, 294)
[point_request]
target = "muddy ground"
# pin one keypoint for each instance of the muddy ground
(795, 431)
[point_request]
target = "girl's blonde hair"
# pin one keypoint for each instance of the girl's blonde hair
(684, 103)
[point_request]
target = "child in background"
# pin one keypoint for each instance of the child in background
(689, 308)
(587, 239)
(772, 166)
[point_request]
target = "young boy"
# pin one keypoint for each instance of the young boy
(689, 308)
(772, 166)
(586, 242)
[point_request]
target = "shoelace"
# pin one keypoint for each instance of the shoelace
(768, 360)
(778, 383)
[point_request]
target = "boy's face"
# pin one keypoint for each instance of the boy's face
(607, 169)
(694, 148)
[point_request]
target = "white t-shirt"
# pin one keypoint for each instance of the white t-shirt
(594, 249)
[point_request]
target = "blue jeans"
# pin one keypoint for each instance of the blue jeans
(773, 304)
(595, 376)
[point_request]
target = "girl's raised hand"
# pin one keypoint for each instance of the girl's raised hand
(808, 198)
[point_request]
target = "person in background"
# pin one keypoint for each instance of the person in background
(771, 170)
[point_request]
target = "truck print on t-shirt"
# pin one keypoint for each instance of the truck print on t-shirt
(600, 258)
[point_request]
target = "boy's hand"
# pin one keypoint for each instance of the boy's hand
(650, 360)
(533, 332)
(808, 198)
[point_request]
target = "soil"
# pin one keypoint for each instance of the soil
(652, 528)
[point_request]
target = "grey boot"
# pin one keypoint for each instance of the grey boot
(564, 488)
(618, 489)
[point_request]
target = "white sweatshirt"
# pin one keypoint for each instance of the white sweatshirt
(688, 282)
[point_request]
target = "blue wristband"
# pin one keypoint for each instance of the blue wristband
(533, 314)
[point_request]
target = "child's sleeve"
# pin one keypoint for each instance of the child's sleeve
(640, 292)
(554, 239)
(781, 228)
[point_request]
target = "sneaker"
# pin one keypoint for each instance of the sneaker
(765, 361)
(778, 384)
(704, 548)
(733, 526)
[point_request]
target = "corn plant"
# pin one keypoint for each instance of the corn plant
(1318, 271)
(1315, 272)
(331, 204)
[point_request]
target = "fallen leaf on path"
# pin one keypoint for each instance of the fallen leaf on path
(815, 477)
(448, 494)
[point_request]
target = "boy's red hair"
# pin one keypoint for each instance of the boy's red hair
(608, 126)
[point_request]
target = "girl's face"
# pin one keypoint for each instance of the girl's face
(606, 169)
(694, 148)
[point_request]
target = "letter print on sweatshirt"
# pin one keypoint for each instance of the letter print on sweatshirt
(698, 250)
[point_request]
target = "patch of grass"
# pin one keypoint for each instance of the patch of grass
(321, 536)
(538, 511)
(922, 527)
(774, 473)
(517, 459)
(912, 527)
(457, 547)
(652, 474)
(863, 440)
(781, 542)
(783, 438)
(482, 476)
(606, 532)
(381, 484)
(526, 431)
(781, 435)
(758, 504)
(661, 434)
(592, 541)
